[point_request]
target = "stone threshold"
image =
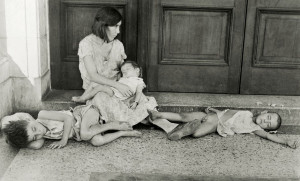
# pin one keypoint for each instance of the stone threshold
(287, 106)
(98, 176)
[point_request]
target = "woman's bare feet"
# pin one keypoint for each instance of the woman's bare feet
(78, 99)
(132, 133)
(154, 114)
(122, 126)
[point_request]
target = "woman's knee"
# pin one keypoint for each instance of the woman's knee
(97, 140)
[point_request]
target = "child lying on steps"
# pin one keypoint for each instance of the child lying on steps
(227, 122)
(22, 131)
(131, 76)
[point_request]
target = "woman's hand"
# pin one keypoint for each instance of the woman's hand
(124, 89)
(133, 105)
(58, 144)
(292, 143)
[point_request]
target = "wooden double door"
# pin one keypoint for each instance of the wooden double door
(211, 46)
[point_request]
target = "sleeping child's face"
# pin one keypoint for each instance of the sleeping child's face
(268, 121)
(35, 130)
(129, 71)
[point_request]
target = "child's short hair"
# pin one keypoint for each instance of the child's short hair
(16, 133)
(134, 65)
(278, 122)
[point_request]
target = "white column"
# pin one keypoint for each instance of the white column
(26, 45)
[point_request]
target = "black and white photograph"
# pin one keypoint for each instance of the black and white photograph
(150, 90)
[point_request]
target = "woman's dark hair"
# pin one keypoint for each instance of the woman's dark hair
(106, 16)
(134, 65)
(16, 133)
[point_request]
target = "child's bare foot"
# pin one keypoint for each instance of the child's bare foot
(122, 126)
(154, 114)
(184, 130)
(132, 133)
(78, 99)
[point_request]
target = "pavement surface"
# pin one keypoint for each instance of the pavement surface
(154, 157)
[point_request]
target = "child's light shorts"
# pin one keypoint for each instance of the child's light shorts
(79, 112)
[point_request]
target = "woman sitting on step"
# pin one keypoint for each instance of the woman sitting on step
(100, 58)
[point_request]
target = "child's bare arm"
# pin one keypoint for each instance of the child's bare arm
(59, 116)
(138, 94)
(276, 139)
(36, 144)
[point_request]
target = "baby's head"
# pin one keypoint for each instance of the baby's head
(268, 121)
(131, 69)
(20, 133)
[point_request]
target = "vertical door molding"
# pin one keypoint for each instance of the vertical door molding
(271, 59)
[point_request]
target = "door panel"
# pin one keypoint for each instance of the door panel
(191, 45)
(73, 24)
(180, 45)
(196, 46)
(272, 48)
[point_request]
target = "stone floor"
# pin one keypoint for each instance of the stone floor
(154, 157)
(7, 154)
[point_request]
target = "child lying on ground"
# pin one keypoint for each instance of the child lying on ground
(131, 76)
(227, 122)
(21, 130)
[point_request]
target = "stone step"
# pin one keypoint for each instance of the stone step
(287, 106)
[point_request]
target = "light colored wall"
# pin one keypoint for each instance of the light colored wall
(6, 102)
(24, 55)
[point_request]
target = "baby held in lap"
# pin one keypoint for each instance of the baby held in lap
(131, 76)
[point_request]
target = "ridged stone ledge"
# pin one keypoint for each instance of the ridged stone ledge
(287, 106)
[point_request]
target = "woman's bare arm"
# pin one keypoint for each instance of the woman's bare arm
(95, 77)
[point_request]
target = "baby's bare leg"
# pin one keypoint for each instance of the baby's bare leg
(176, 117)
(91, 92)
(197, 128)
(99, 140)
(205, 129)
(208, 126)
(99, 88)
(191, 116)
(164, 115)
(185, 129)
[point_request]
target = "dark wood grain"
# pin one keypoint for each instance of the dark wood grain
(271, 59)
(196, 46)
